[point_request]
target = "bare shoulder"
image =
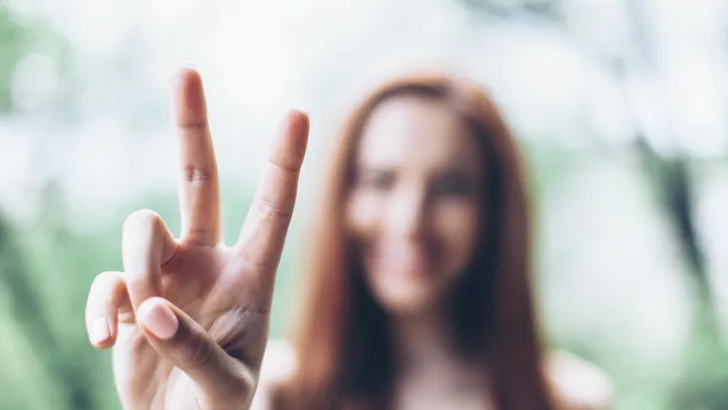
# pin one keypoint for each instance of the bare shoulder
(578, 384)
(279, 363)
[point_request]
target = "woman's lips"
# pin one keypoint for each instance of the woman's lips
(402, 259)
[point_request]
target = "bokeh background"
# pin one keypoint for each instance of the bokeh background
(621, 107)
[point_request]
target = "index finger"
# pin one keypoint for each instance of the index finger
(264, 231)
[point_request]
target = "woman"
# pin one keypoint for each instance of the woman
(419, 277)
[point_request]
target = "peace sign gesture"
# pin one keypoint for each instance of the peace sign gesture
(188, 318)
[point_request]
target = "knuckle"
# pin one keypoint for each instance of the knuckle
(193, 125)
(144, 219)
(271, 209)
(238, 386)
(108, 277)
(286, 166)
(235, 394)
(199, 353)
(192, 173)
(101, 295)
(104, 285)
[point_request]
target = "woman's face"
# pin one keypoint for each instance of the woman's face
(415, 203)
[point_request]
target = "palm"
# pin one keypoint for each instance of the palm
(199, 283)
(222, 293)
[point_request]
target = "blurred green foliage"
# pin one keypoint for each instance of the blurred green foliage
(21, 36)
(12, 36)
(45, 274)
(46, 268)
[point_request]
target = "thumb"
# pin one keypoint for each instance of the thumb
(178, 338)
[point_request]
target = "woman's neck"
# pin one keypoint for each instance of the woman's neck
(424, 341)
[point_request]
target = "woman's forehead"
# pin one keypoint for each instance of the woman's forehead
(418, 131)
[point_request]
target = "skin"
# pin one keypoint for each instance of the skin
(188, 318)
(415, 211)
(416, 216)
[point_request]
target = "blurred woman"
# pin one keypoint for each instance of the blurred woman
(419, 273)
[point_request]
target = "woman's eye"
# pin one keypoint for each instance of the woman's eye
(451, 187)
(382, 181)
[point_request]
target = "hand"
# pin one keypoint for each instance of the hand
(188, 318)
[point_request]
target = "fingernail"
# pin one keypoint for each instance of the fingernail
(158, 318)
(100, 331)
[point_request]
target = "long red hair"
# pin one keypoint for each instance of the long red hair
(343, 346)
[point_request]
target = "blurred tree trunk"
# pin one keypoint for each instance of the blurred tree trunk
(671, 176)
(703, 376)
(675, 189)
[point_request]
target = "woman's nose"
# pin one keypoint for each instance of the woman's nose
(407, 213)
